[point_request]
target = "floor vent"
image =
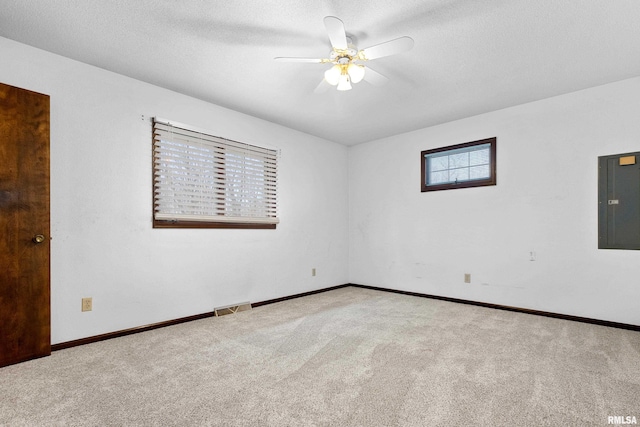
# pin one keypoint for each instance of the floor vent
(231, 309)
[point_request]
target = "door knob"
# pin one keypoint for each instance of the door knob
(38, 238)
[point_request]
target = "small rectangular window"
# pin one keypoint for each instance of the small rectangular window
(472, 164)
(204, 181)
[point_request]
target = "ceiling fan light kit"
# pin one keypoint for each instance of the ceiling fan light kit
(346, 58)
(342, 75)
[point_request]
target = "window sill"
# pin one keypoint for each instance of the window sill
(453, 185)
(196, 224)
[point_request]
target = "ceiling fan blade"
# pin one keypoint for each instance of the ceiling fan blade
(392, 47)
(335, 29)
(374, 77)
(311, 60)
(322, 87)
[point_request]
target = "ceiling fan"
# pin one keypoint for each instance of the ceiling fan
(348, 61)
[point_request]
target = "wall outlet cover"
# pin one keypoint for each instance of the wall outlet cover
(87, 304)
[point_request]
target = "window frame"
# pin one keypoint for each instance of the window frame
(201, 224)
(491, 180)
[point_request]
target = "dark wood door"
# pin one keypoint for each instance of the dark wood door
(25, 331)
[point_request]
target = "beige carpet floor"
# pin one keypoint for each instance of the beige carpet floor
(348, 357)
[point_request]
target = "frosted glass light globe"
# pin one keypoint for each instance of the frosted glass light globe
(356, 72)
(344, 83)
(332, 75)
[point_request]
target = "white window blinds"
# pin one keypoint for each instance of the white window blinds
(204, 178)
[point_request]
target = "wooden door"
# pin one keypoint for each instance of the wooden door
(25, 331)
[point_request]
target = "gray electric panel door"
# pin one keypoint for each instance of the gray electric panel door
(619, 201)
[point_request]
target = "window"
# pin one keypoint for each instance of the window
(472, 164)
(203, 181)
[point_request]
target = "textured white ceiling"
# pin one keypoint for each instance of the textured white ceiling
(470, 56)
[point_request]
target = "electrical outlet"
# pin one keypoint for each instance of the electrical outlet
(87, 304)
(313, 271)
(467, 278)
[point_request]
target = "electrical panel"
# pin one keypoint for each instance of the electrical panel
(619, 201)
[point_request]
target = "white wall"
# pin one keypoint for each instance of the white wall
(103, 243)
(545, 201)
(383, 232)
